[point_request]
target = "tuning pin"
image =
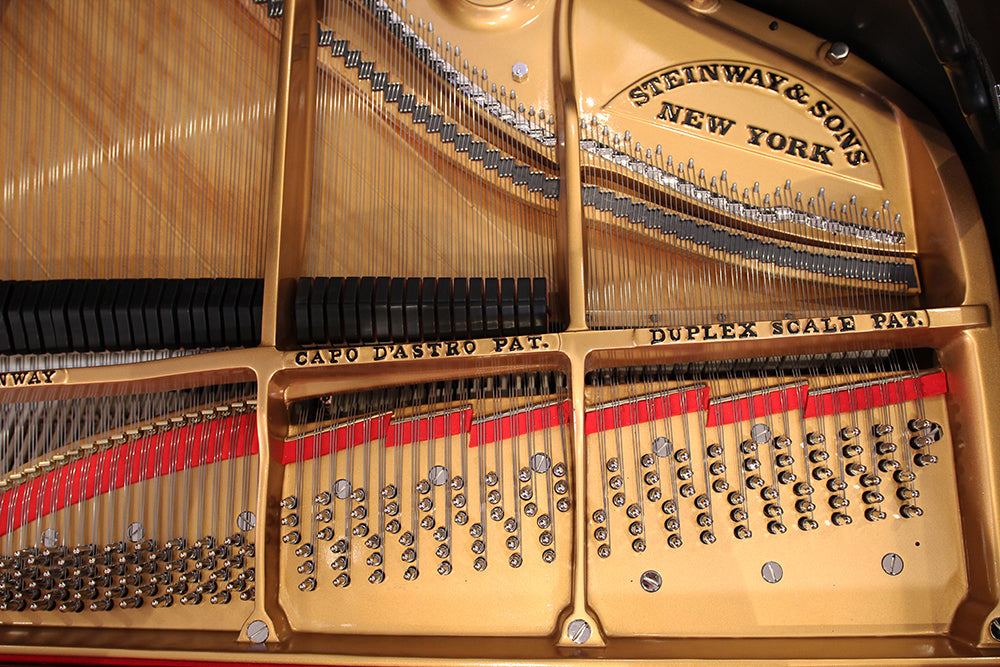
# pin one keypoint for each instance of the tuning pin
(888, 465)
(868, 480)
(248, 594)
(786, 477)
(222, 574)
(852, 450)
(192, 598)
(42, 605)
(855, 469)
(131, 602)
(840, 519)
(815, 439)
(148, 590)
(290, 520)
(206, 542)
(924, 459)
(176, 543)
(872, 497)
(910, 511)
(304, 551)
(804, 506)
(323, 498)
(907, 493)
(72, 606)
(162, 602)
(289, 503)
(308, 584)
(342, 580)
(306, 567)
(776, 527)
(918, 425)
(805, 523)
(802, 489)
(87, 593)
(234, 540)
(116, 592)
(191, 577)
(874, 514)
(222, 597)
(102, 605)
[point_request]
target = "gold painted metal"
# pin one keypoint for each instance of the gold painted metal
(834, 601)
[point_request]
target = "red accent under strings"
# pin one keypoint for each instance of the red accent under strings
(758, 405)
(148, 457)
(644, 410)
(878, 395)
(423, 429)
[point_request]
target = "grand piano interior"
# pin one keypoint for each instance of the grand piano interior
(397, 331)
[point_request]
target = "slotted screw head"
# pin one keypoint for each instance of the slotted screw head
(651, 581)
(771, 572)
(578, 631)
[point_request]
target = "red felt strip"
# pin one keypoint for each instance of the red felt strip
(645, 410)
(418, 430)
(335, 439)
(890, 392)
(758, 405)
(126, 464)
(422, 429)
(520, 423)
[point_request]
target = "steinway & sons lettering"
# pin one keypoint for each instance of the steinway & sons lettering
(837, 133)
(26, 378)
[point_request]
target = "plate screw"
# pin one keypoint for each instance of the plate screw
(540, 462)
(245, 521)
(995, 629)
(135, 531)
(892, 564)
(578, 631)
(837, 53)
(651, 581)
(438, 475)
(257, 632)
(519, 71)
(771, 572)
(50, 538)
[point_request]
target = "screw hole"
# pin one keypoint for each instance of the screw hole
(774, 25)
